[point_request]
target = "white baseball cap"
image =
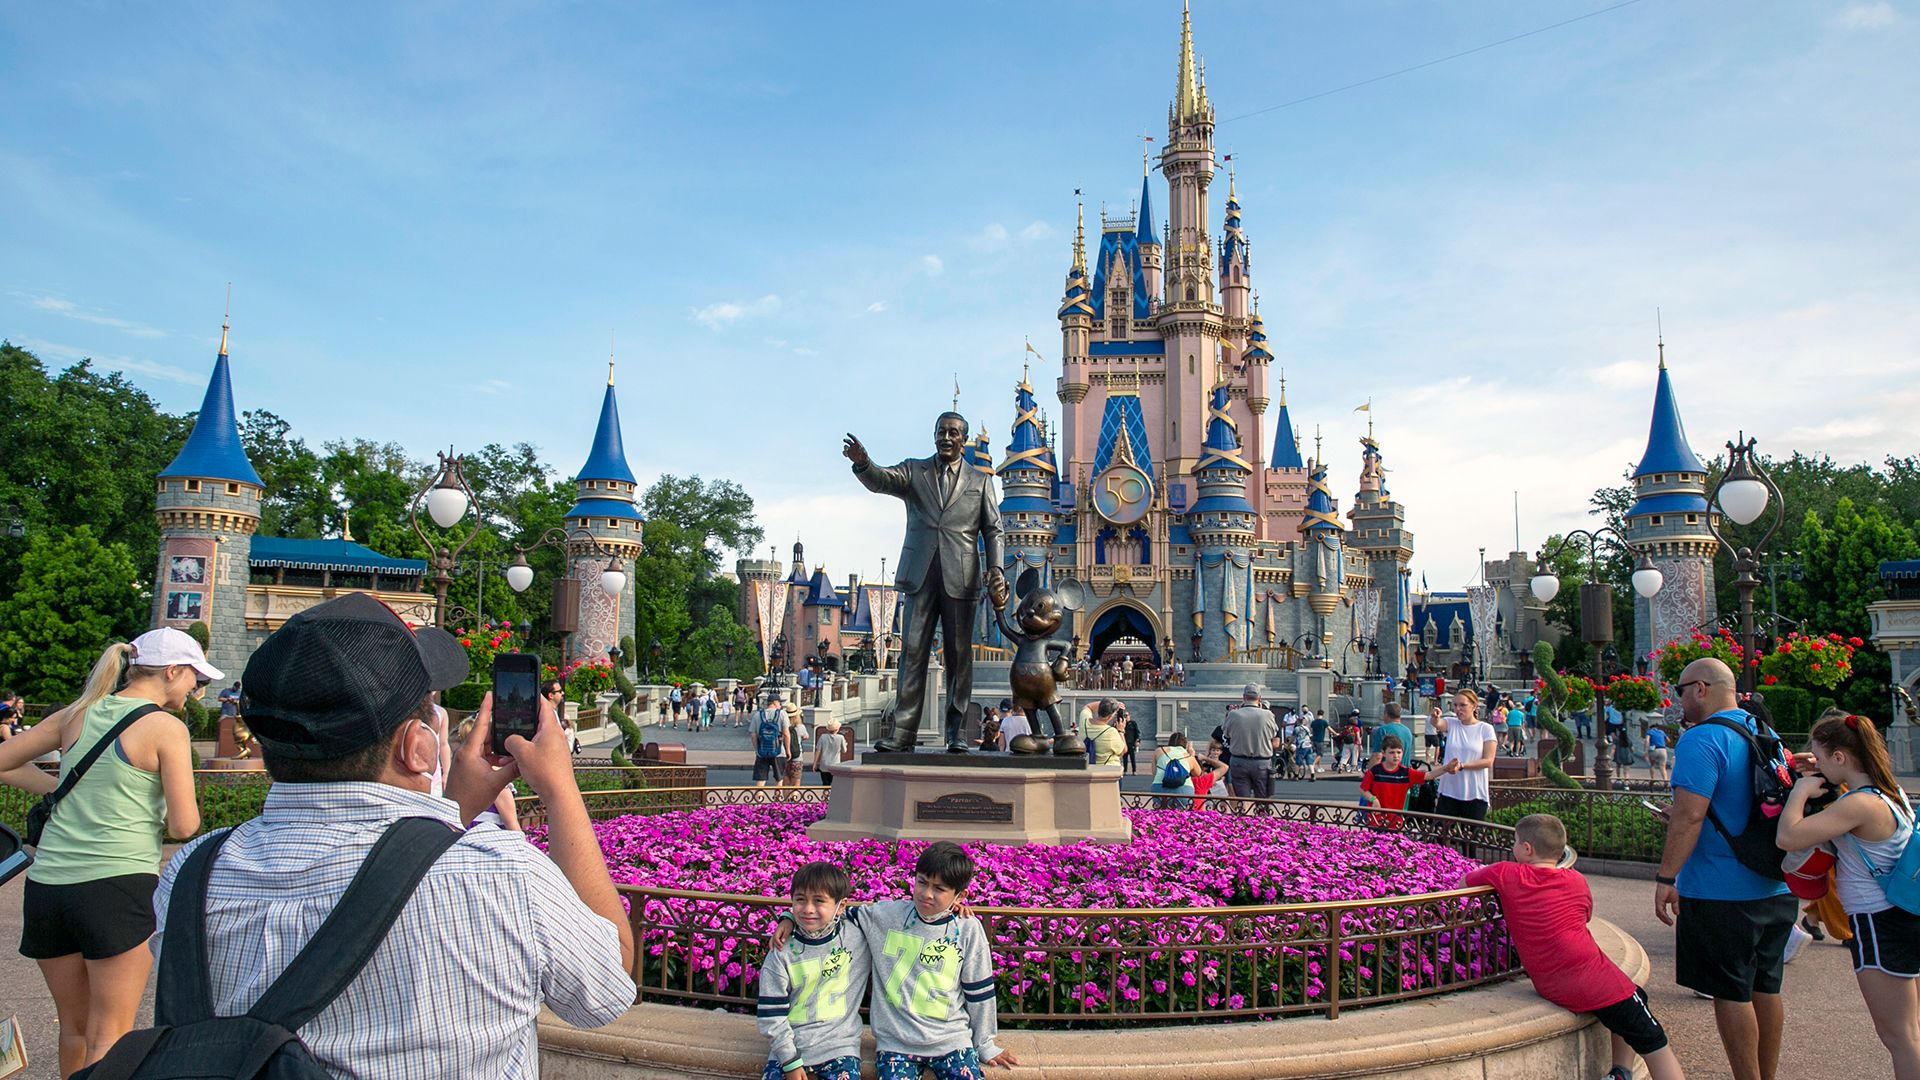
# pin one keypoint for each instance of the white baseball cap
(166, 646)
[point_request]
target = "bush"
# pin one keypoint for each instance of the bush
(1630, 693)
(1617, 830)
(202, 723)
(465, 697)
(198, 631)
(1794, 709)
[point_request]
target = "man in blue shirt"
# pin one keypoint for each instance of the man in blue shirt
(1390, 725)
(1732, 924)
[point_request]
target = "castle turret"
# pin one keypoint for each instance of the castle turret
(1076, 324)
(1147, 237)
(1380, 533)
(1236, 280)
(1285, 478)
(1027, 515)
(208, 505)
(1321, 534)
(1223, 524)
(1668, 522)
(1190, 320)
(606, 509)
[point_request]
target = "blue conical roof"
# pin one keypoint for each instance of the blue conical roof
(1145, 229)
(1286, 453)
(1321, 514)
(1234, 246)
(608, 458)
(1223, 435)
(1028, 450)
(213, 451)
(1667, 449)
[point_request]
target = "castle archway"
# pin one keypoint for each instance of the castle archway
(1124, 619)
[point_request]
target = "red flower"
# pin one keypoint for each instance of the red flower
(1816, 665)
(1666, 703)
(1833, 637)
(1769, 681)
(465, 643)
(1855, 642)
(1818, 645)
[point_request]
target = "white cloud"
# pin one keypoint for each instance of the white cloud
(69, 309)
(1867, 16)
(492, 387)
(1037, 230)
(131, 365)
(932, 264)
(727, 312)
(992, 238)
(876, 307)
(802, 350)
(847, 533)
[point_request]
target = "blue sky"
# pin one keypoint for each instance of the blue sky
(799, 220)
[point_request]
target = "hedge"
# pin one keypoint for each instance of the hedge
(1616, 830)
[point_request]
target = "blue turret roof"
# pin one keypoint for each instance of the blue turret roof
(1286, 453)
(1667, 449)
(1321, 513)
(1144, 232)
(1222, 447)
(1234, 246)
(213, 451)
(979, 454)
(1029, 449)
(821, 592)
(608, 458)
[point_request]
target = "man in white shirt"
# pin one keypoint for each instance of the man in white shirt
(1466, 760)
(1013, 726)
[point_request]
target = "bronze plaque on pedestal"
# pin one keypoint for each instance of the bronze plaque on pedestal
(963, 807)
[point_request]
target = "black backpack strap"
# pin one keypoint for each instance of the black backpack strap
(93, 752)
(348, 938)
(182, 993)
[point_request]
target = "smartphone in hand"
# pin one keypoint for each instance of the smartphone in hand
(1660, 812)
(516, 698)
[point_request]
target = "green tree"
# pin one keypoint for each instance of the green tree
(705, 655)
(74, 596)
(1841, 559)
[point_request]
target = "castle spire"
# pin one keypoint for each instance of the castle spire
(213, 450)
(225, 317)
(1144, 232)
(1080, 237)
(1190, 97)
(608, 458)
(1667, 449)
(609, 358)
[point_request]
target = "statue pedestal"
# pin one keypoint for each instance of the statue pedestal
(996, 804)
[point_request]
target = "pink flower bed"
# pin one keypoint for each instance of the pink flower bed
(1227, 964)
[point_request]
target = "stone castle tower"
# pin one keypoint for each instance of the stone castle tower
(1668, 521)
(606, 511)
(208, 506)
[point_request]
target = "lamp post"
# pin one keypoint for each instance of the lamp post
(728, 649)
(446, 501)
(1596, 620)
(654, 653)
(613, 579)
(1743, 494)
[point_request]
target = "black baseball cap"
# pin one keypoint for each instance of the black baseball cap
(343, 675)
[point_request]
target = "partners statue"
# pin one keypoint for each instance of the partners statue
(1040, 660)
(952, 515)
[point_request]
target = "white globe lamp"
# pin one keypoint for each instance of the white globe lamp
(1743, 499)
(613, 580)
(446, 504)
(1545, 587)
(519, 575)
(1646, 579)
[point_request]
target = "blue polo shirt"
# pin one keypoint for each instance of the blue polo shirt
(1393, 727)
(1712, 762)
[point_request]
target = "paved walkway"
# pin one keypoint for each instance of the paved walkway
(1828, 1032)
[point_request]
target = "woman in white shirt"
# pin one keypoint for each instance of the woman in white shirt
(1466, 761)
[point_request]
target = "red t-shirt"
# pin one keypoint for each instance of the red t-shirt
(1390, 786)
(1547, 911)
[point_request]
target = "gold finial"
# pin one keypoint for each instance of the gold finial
(226, 317)
(1659, 334)
(1283, 388)
(1316, 444)
(1230, 193)
(609, 358)
(956, 391)
(1080, 236)
(346, 527)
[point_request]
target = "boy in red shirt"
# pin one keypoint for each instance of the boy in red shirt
(1547, 906)
(1386, 785)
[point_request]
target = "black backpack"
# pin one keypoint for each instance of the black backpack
(188, 1042)
(1771, 772)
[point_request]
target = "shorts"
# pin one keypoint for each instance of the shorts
(766, 768)
(1632, 1020)
(1303, 756)
(840, 1068)
(792, 768)
(1731, 950)
(1470, 809)
(1886, 941)
(958, 1065)
(97, 919)
(1657, 757)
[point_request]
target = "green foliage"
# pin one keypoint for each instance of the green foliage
(1631, 693)
(465, 697)
(619, 757)
(704, 656)
(676, 581)
(1673, 657)
(1794, 709)
(1550, 702)
(81, 448)
(1817, 663)
(1569, 562)
(629, 651)
(202, 722)
(588, 679)
(230, 799)
(631, 737)
(1579, 692)
(1598, 828)
(198, 631)
(72, 598)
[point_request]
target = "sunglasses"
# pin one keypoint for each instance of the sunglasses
(1681, 687)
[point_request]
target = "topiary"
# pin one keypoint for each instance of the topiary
(200, 722)
(631, 737)
(620, 758)
(629, 652)
(198, 631)
(1552, 698)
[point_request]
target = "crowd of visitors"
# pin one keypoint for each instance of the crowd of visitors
(1124, 673)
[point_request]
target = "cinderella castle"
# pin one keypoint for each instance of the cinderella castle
(1173, 486)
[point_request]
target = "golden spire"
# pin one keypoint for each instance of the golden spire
(1316, 444)
(609, 358)
(1080, 236)
(1283, 388)
(226, 317)
(1659, 334)
(1187, 101)
(346, 527)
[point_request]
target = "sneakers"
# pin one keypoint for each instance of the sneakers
(1796, 940)
(1618, 1073)
(1811, 927)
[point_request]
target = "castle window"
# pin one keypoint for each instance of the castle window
(193, 485)
(1693, 519)
(612, 523)
(233, 489)
(1656, 519)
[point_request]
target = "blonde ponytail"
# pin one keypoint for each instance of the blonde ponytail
(104, 679)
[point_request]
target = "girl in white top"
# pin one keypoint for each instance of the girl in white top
(1175, 750)
(1869, 827)
(1467, 760)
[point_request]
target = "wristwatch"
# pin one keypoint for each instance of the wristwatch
(1659, 879)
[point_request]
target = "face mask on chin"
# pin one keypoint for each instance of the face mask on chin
(436, 782)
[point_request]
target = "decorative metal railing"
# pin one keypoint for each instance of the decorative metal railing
(1069, 967)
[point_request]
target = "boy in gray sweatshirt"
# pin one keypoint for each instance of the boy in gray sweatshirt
(933, 987)
(811, 983)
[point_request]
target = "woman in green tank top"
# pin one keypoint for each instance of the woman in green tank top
(87, 909)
